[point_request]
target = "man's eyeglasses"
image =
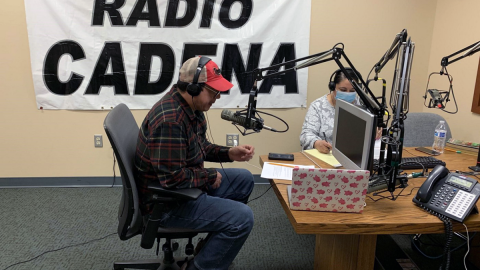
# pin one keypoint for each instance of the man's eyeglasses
(217, 93)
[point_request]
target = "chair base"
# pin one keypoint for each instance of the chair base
(151, 264)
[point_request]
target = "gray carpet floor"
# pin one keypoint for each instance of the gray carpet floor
(36, 220)
(76, 227)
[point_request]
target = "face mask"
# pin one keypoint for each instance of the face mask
(346, 96)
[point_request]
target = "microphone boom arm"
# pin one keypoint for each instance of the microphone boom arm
(390, 53)
(336, 53)
(259, 71)
(474, 48)
(439, 98)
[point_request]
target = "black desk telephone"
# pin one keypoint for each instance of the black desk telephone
(450, 194)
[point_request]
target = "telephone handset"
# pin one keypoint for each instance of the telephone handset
(425, 192)
(450, 194)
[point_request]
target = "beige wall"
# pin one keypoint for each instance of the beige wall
(457, 25)
(38, 143)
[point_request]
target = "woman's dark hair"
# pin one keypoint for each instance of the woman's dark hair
(339, 76)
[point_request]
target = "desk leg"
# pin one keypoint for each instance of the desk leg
(345, 252)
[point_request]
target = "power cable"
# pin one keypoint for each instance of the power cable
(53, 250)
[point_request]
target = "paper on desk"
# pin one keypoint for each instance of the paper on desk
(273, 170)
(328, 158)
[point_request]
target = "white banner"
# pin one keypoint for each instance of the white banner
(95, 54)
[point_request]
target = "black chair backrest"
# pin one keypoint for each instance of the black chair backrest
(122, 132)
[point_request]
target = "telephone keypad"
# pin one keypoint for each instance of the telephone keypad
(443, 196)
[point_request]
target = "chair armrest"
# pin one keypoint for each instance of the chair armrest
(160, 197)
(175, 194)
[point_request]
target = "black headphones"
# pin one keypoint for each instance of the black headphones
(332, 84)
(194, 88)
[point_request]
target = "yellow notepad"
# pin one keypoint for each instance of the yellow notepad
(327, 158)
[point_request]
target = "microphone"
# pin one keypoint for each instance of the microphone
(254, 124)
(436, 98)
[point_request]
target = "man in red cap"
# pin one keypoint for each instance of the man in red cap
(171, 149)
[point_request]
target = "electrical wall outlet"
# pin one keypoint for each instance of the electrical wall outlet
(231, 138)
(98, 140)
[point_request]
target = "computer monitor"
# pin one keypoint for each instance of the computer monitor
(353, 136)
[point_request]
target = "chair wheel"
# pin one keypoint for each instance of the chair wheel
(174, 246)
(189, 249)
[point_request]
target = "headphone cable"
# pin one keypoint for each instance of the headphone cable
(219, 161)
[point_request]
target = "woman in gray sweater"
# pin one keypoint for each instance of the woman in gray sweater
(317, 128)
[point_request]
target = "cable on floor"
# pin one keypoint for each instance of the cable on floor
(53, 250)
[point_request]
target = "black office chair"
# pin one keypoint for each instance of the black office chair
(122, 132)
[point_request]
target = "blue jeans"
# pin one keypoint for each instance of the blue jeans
(223, 213)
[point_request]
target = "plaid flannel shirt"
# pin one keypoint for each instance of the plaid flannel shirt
(172, 147)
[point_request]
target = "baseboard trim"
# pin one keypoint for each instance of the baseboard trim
(259, 180)
(106, 181)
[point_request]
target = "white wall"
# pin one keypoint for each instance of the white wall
(37, 143)
(457, 25)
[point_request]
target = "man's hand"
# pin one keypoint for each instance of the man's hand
(241, 153)
(217, 182)
(322, 146)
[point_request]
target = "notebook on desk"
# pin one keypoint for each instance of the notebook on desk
(329, 190)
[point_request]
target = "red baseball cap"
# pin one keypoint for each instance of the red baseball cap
(210, 74)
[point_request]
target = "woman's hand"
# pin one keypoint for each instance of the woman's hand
(322, 146)
(241, 153)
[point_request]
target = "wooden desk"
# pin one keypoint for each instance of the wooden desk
(347, 240)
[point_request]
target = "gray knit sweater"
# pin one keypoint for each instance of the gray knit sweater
(320, 118)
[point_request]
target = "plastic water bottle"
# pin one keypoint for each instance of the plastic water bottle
(439, 138)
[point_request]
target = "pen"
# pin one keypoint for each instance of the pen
(459, 152)
(325, 136)
(451, 150)
(283, 165)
